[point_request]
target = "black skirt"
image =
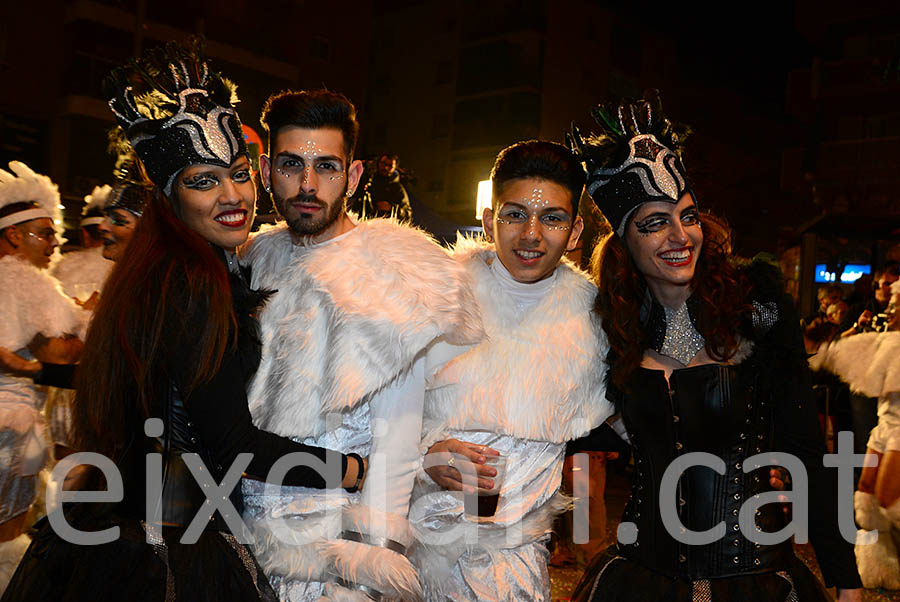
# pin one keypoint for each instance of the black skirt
(215, 568)
(611, 577)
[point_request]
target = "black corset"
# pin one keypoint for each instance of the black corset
(182, 495)
(715, 409)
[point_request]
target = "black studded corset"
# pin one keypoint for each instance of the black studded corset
(182, 495)
(719, 410)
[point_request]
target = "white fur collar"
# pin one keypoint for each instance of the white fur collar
(539, 377)
(869, 363)
(82, 272)
(348, 318)
(33, 303)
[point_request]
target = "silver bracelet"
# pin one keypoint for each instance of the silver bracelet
(380, 542)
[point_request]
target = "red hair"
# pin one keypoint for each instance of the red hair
(169, 289)
(718, 285)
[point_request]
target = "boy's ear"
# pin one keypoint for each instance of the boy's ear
(575, 234)
(487, 223)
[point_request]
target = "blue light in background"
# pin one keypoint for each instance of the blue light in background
(852, 271)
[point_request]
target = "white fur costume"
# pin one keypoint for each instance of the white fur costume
(536, 382)
(83, 272)
(342, 367)
(32, 303)
(870, 364)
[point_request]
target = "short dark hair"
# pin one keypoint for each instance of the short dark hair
(542, 160)
(312, 109)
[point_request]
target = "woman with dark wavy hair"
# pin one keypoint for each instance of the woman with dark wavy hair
(705, 356)
(161, 389)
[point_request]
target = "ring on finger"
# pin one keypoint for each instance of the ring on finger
(450, 461)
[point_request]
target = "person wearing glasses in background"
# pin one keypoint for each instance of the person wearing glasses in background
(37, 322)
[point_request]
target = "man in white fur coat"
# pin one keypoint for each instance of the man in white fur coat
(37, 321)
(344, 337)
(870, 364)
(82, 272)
(534, 383)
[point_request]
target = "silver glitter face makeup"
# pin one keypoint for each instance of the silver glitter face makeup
(557, 227)
(310, 152)
(658, 222)
(536, 202)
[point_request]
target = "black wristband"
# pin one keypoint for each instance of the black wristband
(56, 375)
(360, 474)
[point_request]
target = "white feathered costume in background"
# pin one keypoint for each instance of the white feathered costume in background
(83, 272)
(31, 303)
(535, 382)
(870, 364)
(343, 368)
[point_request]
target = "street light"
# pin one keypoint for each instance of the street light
(483, 200)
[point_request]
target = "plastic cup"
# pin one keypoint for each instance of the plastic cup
(482, 503)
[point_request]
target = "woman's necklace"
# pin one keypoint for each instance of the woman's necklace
(682, 341)
(671, 330)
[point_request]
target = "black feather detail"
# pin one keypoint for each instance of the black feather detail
(632, 118)
(247, 305)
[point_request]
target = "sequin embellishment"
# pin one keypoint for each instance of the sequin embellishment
(536, 202)
(682, 341)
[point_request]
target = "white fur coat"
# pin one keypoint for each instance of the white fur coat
(869, 362)
(350, 315)
(31, 303)
(82, 272)
(538, 377)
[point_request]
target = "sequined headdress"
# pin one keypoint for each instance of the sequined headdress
(22, 185)
(132, 189)
(636, 158)
(176, 112)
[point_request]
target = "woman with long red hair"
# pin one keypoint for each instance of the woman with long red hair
(171, 347)
(705, 356)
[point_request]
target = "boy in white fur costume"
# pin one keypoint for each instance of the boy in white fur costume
(83, 272)
(536, 382)
(870, 364)
(342, 363)
(36, 321)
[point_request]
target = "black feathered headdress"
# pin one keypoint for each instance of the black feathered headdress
(634, 159)
(175, 111)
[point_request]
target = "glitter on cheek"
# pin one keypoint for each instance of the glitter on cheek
(282, 172)
(558, 227)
